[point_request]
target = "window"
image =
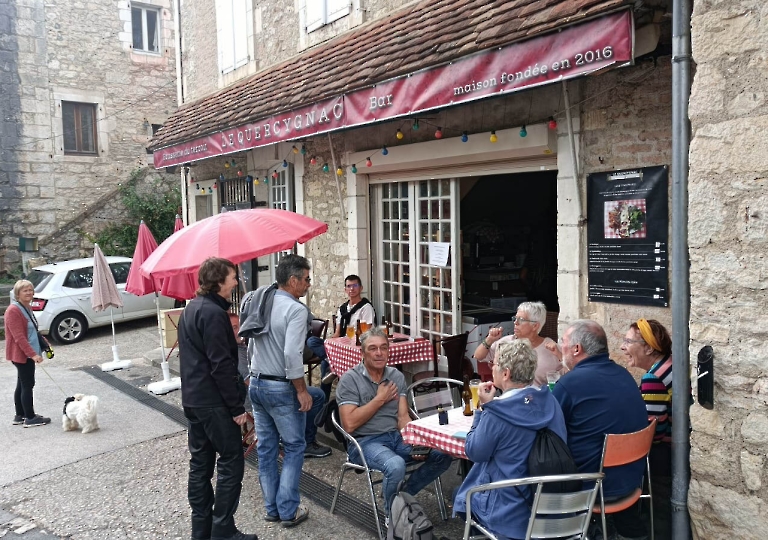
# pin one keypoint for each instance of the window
(281, 197)
(120, 271)
(145, 23)
(82, 278)
(321, 12)
(79, 123)
(232, 31)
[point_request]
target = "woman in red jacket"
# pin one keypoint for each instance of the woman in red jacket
(22, 347)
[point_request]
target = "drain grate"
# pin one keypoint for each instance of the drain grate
(320, 492)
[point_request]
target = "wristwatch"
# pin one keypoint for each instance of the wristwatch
(485, 344)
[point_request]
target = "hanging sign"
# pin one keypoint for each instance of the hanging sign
(627, 236)
(599, 44)
(438, 253)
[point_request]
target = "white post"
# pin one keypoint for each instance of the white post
(168, 384)
(116, 363)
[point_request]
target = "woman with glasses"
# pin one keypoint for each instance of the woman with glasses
(647, 346)
(529, 321)
(503, 432)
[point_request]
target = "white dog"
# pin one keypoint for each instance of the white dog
(80, 413)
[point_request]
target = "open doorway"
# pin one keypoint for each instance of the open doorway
(509, 248)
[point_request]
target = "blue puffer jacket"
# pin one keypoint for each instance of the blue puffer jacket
(499, 443)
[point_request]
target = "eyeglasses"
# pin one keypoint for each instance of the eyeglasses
(520, 320)
(352, 286)
(627, 341)
(308, 280)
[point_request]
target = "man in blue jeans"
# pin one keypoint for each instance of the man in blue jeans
(283, 406)
(373, 409)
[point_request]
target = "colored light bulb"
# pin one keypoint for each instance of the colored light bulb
(523, 132)
(464, 136)
(226, 164)
(384, 151)
(415, 125)
(239, 172)
(368, 162)
(274, 175)
(439, 133)
(339, 171)
(552, 123)
(313, 161)
(399, 135)
(221, 177)
(295, 150)
(303, 150)
(326, 168)
(285, 163)
(494, 138)
(354, 169)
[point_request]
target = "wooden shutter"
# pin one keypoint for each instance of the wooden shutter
(315, 14)
(240, 25)
(225, 38)
(337, 9)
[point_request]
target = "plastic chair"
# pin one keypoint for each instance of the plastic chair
(426, 404)
(553, 515)
(318, 328)
(364, 468)
(621, 450)
(454, 348)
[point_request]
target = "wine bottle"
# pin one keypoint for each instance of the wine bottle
(466, 397)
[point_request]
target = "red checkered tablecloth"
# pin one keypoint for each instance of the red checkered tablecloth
(428, 432)
(343, 354)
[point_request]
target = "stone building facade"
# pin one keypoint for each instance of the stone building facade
(728, 242)
(622, 120)
(62, 56)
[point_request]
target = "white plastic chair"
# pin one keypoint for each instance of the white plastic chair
(553, 515)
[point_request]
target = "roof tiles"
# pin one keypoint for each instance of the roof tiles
(415, 37)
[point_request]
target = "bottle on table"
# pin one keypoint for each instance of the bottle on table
(466, 397)
(357, 334)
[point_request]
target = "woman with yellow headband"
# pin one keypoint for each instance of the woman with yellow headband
(647, 345)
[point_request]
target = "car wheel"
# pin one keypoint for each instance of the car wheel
(68, 327)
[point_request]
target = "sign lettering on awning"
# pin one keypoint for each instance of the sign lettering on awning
(577, 50)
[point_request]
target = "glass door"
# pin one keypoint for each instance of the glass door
(418, 297)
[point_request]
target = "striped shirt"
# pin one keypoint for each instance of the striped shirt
(656, 388)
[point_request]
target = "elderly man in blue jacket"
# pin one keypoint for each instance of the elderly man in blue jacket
(598, 397)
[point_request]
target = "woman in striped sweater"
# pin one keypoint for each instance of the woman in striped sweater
(647, 345)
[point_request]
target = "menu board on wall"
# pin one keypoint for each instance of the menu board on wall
(627, 236)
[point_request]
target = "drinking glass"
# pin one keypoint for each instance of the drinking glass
(364, 326)
(552, 378)
(351, 332)
(474, 387)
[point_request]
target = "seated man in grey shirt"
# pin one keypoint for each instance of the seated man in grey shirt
(373, 409)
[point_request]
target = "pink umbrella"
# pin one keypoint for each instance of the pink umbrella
(238, 236)
(136, 283)
(181, 286)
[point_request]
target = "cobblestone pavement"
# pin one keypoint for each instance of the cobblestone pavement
(137, 489)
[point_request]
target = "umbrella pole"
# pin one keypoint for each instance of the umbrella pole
(168, 384)
(116, 363)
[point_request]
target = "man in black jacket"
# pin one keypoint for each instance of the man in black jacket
(213, 404)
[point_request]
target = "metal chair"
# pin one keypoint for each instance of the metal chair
(553, 515)
(454, 348)
(318, 328)
(622, 449)
(426, 404)
(364, 468)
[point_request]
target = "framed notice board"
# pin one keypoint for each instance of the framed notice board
(627, 236)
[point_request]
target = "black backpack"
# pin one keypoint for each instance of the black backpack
(550, 456)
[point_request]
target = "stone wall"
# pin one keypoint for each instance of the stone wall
(43, 188)
(626, 122)
(728, 239)
(199, 59)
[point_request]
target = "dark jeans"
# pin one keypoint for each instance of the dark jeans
(213, 431)
(25, 382)
(316, 345)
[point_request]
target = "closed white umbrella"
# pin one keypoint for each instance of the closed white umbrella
(106, 296)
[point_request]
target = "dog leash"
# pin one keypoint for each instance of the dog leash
(52, 380)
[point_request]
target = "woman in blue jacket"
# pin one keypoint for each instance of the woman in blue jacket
(502, 436)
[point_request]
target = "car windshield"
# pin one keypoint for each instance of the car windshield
(39, 279)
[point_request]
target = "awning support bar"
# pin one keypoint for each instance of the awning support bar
(574, 161)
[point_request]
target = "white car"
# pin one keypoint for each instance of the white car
(62, 302)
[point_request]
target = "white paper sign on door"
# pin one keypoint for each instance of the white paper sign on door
(438, 253)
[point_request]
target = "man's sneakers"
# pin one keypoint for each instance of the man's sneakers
(18, 420)
(36, 421)
(315, 450)
(302, 513)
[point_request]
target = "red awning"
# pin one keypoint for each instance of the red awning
(400, 65)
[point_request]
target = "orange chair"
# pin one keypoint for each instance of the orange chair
(621, 450)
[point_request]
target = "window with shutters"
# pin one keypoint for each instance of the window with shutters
(79, 128)
(232, 32)
(322, 12)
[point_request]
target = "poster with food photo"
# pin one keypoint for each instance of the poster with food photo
(627, 236)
